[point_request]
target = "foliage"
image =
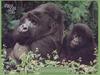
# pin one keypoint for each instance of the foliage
(32, 64)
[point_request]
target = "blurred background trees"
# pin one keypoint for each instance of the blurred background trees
(75, 12)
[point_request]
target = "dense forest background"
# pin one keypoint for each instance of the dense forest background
(76, 11)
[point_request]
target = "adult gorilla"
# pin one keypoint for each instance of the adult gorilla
(79, 45)
(40, 28)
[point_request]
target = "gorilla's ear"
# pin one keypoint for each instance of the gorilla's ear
(55, 12)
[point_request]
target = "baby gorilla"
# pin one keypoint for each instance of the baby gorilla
(79, 45)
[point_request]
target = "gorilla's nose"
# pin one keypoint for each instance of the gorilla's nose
(23, 28)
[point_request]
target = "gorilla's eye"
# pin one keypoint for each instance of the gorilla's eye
(75, 35)
(34, 23)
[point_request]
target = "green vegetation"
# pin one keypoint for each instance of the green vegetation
(34, 63)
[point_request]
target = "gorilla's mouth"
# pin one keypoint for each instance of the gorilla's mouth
(74, 44)
(23, 38)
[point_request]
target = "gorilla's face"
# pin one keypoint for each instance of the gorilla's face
(35, 25)
(26, 25)
(77, 40)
